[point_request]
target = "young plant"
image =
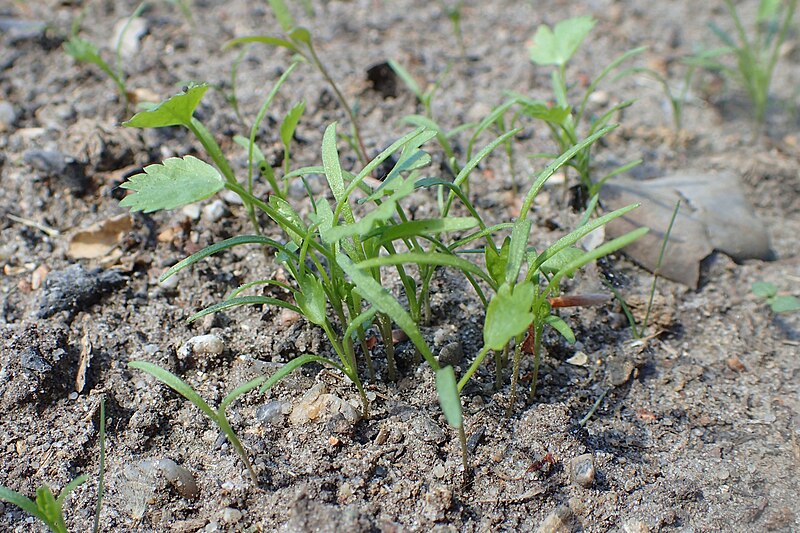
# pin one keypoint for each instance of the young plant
(299, 41)
(217, 416)
(46, 507)
(779, 303)
(565, 120)
(86, 51)
(756, 56)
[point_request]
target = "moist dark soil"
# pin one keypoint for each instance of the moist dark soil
(696, 426)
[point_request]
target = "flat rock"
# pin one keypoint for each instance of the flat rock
(714, 215)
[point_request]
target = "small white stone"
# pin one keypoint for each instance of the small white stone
(192, 211)
(214, 211)
(201, 345)
(231, 515)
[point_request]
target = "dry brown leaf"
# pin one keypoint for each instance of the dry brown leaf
(100, 239)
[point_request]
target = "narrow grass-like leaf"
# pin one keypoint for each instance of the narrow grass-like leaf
(295, 363)
(282, 13)
(418, 258)
(508, 314)
(289, 124)
(562, 327)
(360, 320)
(238, 391)
(175, 383)
(447, 390)
(220, 246)
(244, 142)
(577, 234)
(175, 111)
(83, 50)
(560, 259)
(51, 509)
(21, 501)
(380, 298)
(517, 249)
(263, 39)
(406, 78)
(243, 300)
(600, 251)
(413, 228)
(174, 183)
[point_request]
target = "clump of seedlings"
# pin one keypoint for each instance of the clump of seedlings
(340, 255)
(779, 303)
(757, 54)
(566, 119)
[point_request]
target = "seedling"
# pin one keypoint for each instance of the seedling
(299, 41)
(46, 507)
(102, 469)
(86, 51)
(217, 416)
(556, 47)
(756, 56)
(779, 303)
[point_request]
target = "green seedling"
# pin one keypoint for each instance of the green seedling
(101, 476)
(779, 303)
(453, 12)
(217, 416)
(565, 120)
(756, 55)
(676, 96)
(46, 507)
(86, 51)
(299, 41)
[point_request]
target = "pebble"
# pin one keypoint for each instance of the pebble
(317, 403)
(635, 526)
(170, 284)
(192, 211)
(273, 412)
(128, 32)
(452, 354)
(8, 116)
(231, 515)
(201, 345)
(214, 211)
(582, 469)
(558, 521)
(76, 288)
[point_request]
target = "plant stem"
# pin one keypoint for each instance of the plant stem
(361, 151)
(538, 329)
(222, 422)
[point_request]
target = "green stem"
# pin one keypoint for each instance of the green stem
(538, 329)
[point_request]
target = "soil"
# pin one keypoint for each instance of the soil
(696, 427)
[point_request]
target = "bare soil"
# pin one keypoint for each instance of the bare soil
(696, 428)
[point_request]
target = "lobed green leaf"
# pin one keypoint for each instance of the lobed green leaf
(174, 183)
(175, 111)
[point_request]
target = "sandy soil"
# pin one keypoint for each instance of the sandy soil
(696, 428)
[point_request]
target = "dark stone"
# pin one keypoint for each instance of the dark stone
(383, 79)
(56, 165)
(76, 288)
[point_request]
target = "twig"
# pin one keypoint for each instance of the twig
(52, 232)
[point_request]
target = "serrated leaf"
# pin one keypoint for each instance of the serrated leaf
(764, 289)
(174, 111)
(556, 46)
(174, 183)
(508, 314)
(447, 391)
